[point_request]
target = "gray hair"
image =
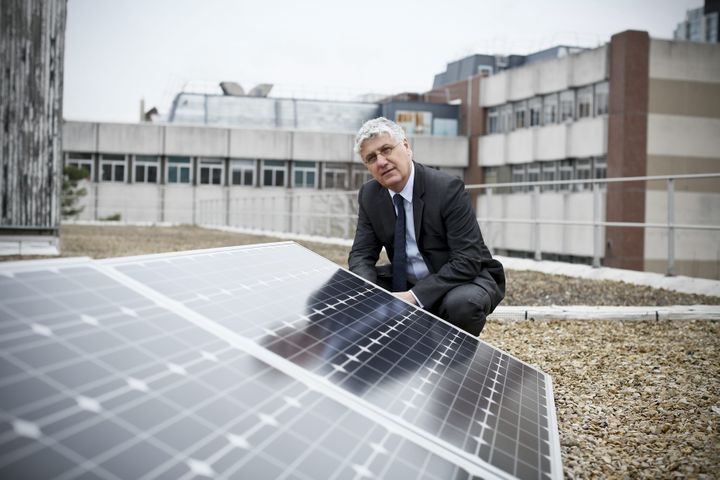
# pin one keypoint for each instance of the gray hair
(376, 127)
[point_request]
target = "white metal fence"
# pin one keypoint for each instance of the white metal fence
(334, 214)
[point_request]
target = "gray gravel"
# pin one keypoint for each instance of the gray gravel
(634, 399)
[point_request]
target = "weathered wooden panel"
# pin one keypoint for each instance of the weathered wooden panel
(32, 37)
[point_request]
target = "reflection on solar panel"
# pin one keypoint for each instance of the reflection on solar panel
(253, 362)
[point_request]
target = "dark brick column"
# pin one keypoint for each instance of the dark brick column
(627, 147)
(472, 121)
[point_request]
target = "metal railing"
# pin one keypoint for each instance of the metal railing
(597, 222)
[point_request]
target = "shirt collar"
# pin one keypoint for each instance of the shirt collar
(407, 191)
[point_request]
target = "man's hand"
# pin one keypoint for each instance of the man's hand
(407, 296)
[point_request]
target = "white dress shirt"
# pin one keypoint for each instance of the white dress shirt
(416, 268)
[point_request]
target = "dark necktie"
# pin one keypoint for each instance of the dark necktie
(399, 261)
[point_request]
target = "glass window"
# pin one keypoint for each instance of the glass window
(519, 174)
(273, 173)
(304, 174)
(600, 169)
(550, 109)
(565, 171)
(567, 105)
(533, 173)
(583, 171)
(493, 125)
(601, 98)
(414, 123)
(146, 169)
(360, 175)
(490, 174)
(534, 107)
(112, 168)
(585, 102)
(83, 161)
(242, 172)
(520, 114)
(506, 118)
(549, 172)
(335, 176)
(211, 171)
(179, 169)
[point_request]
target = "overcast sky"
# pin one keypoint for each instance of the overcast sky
(117, 52)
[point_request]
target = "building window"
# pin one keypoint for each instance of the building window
(550, 109)
(506, 118)
(112, 168)
(583, 171)
(493, 120)
(335, 176)
(242, 172)
(534, 108)
(273, 173)
(490, 175)
(178, 170)
(600, 169)
(533, 173)
(601, 98)
(567, 105)
(414, 123)
(520, 114)
(549, 172)
(585, 102)
(211, 171)
(146, 169)
(83, 161)
(519, 174)
(565, 172)
(360, 175)
(304, 174)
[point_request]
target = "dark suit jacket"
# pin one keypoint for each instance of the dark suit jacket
(447, 234)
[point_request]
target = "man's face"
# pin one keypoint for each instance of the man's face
(392, 171)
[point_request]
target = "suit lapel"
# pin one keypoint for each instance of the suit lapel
(418, 202)
(387, 215)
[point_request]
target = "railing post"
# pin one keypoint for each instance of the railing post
(671, 227)
(536, 221)
(596, 224)
(488, 232)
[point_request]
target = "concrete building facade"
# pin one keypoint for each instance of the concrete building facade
(634, 107)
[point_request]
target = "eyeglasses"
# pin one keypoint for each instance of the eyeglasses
(384, 151)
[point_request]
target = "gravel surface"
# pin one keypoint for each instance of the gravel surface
(634, 399)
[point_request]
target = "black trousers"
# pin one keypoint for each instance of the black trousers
(465, 306)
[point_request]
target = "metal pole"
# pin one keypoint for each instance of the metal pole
(488, 237)
(671, 227)
(596, 225)
(536, 221)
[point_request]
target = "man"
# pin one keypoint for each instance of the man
(439, 259)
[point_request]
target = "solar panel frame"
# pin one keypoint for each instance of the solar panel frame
(397, 425)
(552, 440)
(36, 433)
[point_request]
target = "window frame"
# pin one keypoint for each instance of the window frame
(180, 163)
(120, 160)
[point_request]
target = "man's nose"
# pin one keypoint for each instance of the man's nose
(381, 160)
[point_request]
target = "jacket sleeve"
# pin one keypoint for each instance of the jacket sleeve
(465, 260)
(366, 246)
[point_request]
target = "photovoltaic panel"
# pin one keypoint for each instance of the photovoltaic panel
(103, 380)
(409, 367)
(219, 363)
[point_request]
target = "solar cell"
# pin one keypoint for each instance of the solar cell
(411, 367)
(126, 388)
(265, 361)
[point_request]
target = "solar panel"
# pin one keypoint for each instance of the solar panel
(267, 359)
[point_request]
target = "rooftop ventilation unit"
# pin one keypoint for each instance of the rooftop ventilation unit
(261, 90)
(232, 88)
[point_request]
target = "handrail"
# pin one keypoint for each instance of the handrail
(671, 227)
